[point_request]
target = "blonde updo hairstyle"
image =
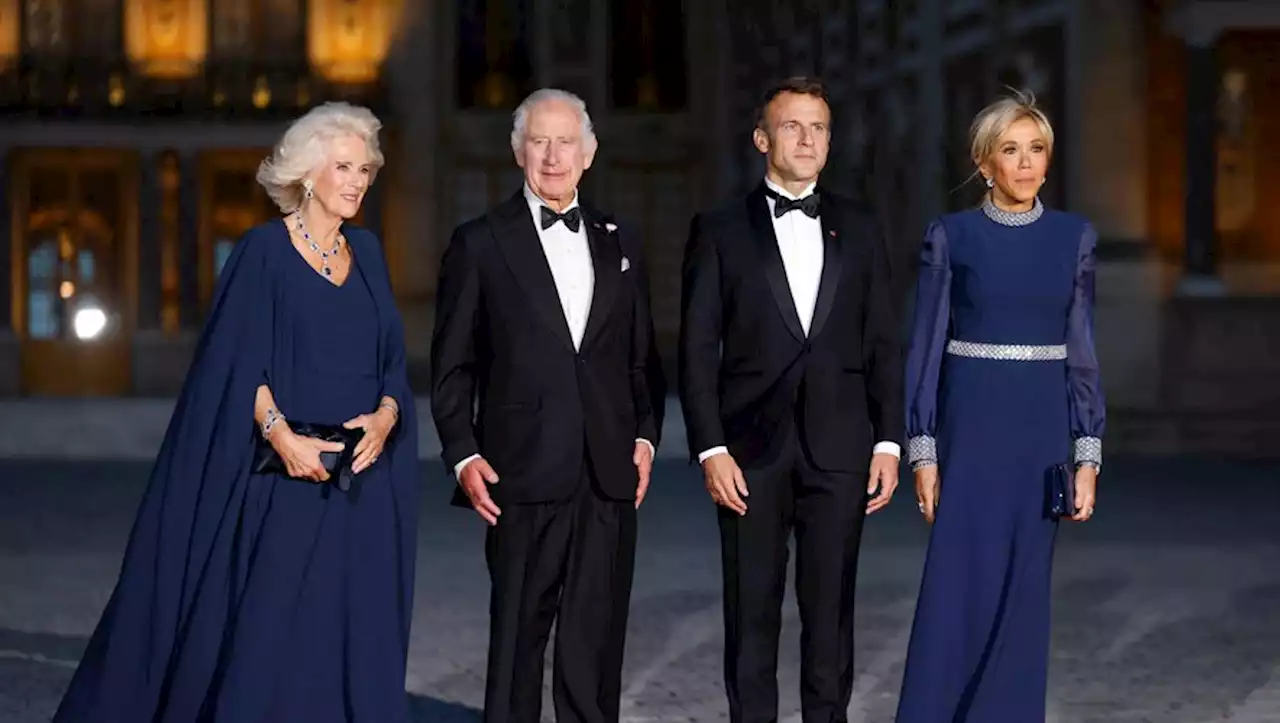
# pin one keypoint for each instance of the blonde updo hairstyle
(305, 144)
(992, 121)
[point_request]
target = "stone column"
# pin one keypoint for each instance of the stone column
(415, 234)
(10, 361)
(150, 202)
(931, 109)
(189, 315)
(6, 242)
(1200, 267)
(718, 97)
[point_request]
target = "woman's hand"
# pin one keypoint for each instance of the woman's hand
(1086, 492)
(301, 455)
(927, 491)
(377, 427)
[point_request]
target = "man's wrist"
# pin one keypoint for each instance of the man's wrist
(712, 452)
(890, 448)
(459, 467)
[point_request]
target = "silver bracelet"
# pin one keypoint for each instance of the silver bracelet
(395, 408)
(272, 417)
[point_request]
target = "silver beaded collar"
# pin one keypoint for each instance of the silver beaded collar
(1012, 218)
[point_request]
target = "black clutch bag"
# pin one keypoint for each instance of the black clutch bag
(337, 464)
(1060, 485)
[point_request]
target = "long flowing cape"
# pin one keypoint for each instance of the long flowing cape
(182, 560)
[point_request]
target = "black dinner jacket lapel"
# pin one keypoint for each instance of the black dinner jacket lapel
(766, 244)
(606, 260)
(518, 241)
(832, 256)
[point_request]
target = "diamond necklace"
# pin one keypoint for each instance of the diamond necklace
(324, 255)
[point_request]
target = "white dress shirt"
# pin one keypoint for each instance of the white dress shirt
(569, 257)
(801, 247)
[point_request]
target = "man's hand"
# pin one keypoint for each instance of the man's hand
(884, 475)
(643, 460)
(474, 479)
(725, 482)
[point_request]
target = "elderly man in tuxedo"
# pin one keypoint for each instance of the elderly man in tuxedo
(791, 382)
(548, 401)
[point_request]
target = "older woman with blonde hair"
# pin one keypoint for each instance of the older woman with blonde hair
(1005, 417)
(269, 574)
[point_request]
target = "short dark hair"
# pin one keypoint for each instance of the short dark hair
(799, 84)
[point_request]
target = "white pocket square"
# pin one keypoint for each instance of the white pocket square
(626, 263)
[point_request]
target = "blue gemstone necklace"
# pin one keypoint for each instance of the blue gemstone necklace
(324, 255)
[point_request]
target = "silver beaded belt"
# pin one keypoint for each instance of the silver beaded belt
(1007, 352)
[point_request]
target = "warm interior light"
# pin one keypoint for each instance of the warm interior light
(10, 36)
(166, 38)
(89, 322)
(67, 290)
(347, 40)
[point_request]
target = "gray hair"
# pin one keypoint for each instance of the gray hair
(520, 124)
(305, 145)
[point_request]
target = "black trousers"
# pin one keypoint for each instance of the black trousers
(826, 511)
(570, 562)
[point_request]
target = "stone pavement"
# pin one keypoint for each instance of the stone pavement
(1165, 607)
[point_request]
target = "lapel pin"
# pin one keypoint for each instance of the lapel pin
(832, 232)
(610, 227)
(626, 264)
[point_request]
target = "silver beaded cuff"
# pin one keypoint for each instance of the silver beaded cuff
(922, 451)
(1007, 352)
(1089, 451)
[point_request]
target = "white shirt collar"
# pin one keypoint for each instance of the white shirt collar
(535, 201)
(787, 194)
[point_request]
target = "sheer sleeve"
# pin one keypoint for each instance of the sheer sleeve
(928, 341)
(1084, 387)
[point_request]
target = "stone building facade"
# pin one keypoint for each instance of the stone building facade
(132, 129)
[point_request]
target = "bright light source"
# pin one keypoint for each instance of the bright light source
(89, 322)
(67, 290)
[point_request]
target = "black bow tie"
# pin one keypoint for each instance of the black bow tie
(572, 218)
(809, 205)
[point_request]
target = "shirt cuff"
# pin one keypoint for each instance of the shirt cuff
(653, 452)
(892, 448)
(457, 468)
(707, 454)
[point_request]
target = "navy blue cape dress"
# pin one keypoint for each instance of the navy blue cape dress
(1002, 383)
(247, 598)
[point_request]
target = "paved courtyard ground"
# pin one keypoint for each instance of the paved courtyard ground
(1167, 606)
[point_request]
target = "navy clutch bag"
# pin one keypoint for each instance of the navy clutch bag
(337, 464)
(1060, 484)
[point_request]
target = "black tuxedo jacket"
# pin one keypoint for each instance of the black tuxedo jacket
(506, 380)
(746, 367)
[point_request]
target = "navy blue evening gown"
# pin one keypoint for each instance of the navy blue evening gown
(250, 598)
(1002, 383)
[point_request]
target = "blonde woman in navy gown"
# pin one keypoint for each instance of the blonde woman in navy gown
(1002, 384)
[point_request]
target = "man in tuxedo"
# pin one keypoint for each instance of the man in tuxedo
(543, 327)
(791, 383)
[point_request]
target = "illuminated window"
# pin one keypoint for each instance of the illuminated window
(43, 313)
(494, 66)
(647, 58)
